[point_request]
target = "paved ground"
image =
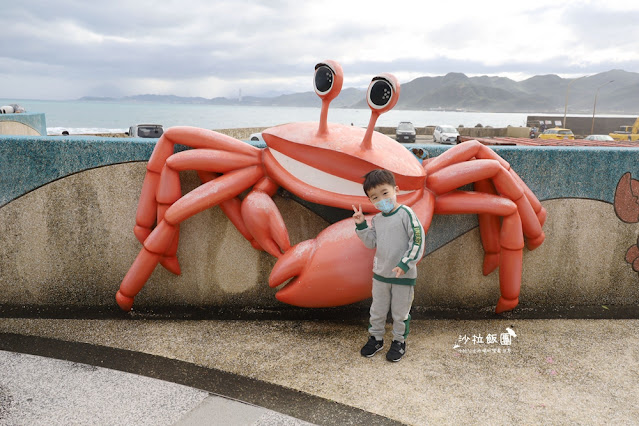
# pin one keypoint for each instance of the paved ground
(162, 371)
(44, 391)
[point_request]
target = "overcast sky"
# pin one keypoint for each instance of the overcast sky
(66, 49)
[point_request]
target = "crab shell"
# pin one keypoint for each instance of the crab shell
(329, 169)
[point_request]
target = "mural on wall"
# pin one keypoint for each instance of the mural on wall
(626, 204)
(324, 163)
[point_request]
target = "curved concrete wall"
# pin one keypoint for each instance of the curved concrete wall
(24, 124)
(67, 239)
(16, 128)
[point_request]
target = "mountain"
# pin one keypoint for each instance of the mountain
(617, 92)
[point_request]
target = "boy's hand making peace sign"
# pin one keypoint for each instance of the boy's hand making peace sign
(358, 216)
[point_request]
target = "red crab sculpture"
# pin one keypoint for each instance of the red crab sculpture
(325, 163)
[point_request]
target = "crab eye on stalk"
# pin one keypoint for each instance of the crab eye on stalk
(327, 84)
(328, 80)
(383, 93)
(323, 79)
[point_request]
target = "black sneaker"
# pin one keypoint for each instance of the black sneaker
(372, 347)
(396, 351)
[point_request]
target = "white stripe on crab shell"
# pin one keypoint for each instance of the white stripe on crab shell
(319, 179)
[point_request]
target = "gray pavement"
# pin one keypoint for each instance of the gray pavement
(494, 371)
(44, 391)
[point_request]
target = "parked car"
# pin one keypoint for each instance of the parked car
(599, 138)
(557, 133)
(446, 134)
(405, 132)
(256, 137)
(146, 131)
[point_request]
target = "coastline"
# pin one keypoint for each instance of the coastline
(423, 133)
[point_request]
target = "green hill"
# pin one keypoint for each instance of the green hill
(617, 93)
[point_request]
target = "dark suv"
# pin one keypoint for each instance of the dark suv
(405, 132)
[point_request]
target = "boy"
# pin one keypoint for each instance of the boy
(397, 235)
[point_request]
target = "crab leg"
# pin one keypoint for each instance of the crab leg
(159, 241)
(462, 153)
(232, 209)
(150, 209)
(189, 136)
(511, 240)
(257, 218)
(510, 265)
(170, 190)
(532, 213)
(489, 226)
(523, 220)
(460, 174)
(540, 211)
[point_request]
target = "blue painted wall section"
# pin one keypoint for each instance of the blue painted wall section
(27, 163)
(566, 172)
(35, 120)
(551, 173)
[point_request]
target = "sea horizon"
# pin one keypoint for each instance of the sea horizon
(91, 117)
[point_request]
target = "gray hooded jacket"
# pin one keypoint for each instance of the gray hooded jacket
(399, 239)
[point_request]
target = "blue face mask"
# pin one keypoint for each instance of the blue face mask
(385, 205)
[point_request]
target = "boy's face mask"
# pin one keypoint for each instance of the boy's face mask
(385, 205)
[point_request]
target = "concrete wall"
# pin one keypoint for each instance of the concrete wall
(25, 124)
(67, 210)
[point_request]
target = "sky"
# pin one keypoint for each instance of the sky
(66, 49)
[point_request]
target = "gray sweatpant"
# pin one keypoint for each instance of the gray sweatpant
(397, 297)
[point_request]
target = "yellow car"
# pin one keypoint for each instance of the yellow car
(557, 133)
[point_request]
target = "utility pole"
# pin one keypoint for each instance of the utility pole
(592, 127)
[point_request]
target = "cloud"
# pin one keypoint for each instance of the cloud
(209, 48)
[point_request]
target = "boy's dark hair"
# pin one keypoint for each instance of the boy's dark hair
(378, 177)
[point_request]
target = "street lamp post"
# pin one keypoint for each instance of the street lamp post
(592, 127)
(567, 90)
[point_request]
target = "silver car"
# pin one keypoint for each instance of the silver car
(146, 131)
(445, 134)
(599, 138)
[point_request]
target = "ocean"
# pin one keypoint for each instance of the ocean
(87, 117)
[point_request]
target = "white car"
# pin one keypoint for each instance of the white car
(146, 131)
(256, 137)
(599, 138)
(445, 134)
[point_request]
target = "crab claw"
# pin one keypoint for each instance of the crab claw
(332, 270)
